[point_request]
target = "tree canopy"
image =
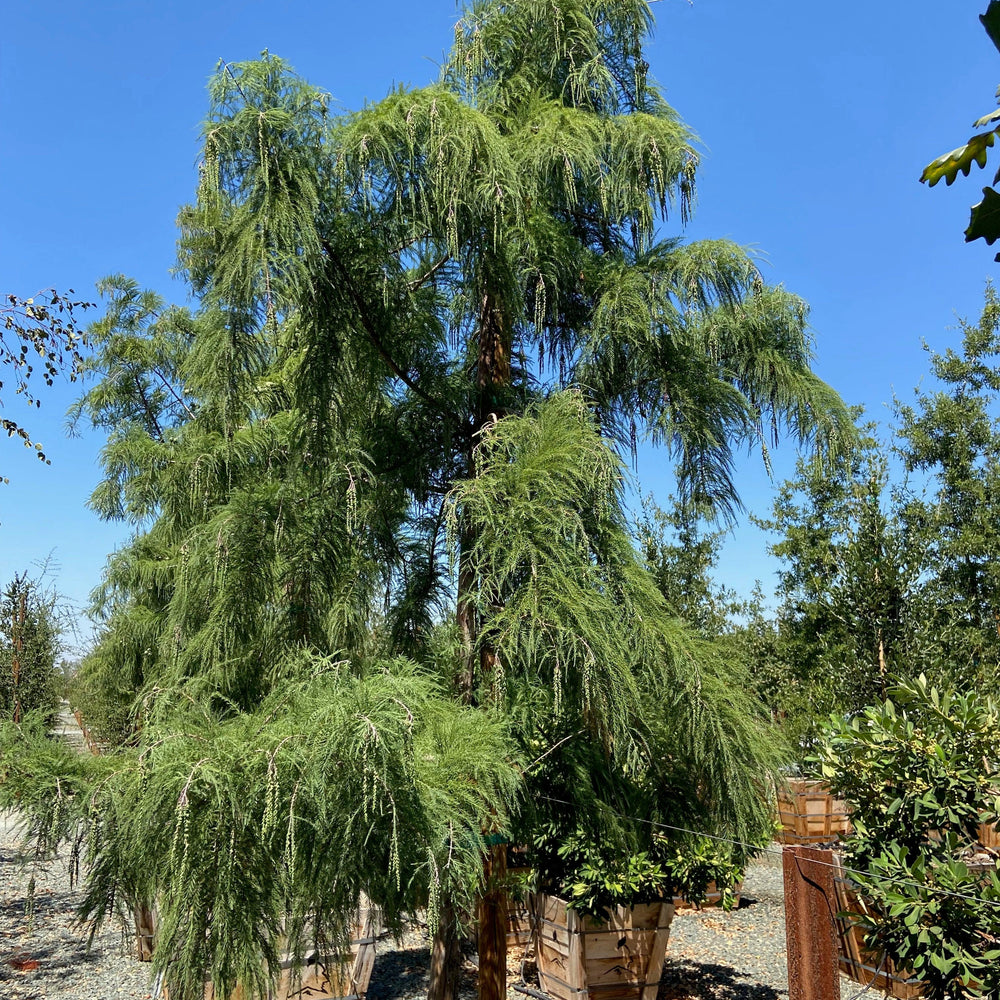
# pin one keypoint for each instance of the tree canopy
(376, 477)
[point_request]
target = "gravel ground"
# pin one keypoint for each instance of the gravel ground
(44, 955)
(725, 956)
(711, 955)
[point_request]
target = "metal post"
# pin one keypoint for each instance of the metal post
(810, 929)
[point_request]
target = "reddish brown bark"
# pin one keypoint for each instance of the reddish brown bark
(493, 927)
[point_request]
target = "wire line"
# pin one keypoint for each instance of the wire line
(826, 864)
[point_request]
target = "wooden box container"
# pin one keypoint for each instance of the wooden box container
(330, 977)
(621, 959)
(809, 813)
(856, 960)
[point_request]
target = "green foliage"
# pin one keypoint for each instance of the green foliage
(603, 882)
(952, 435)
(845, 625)
(888, 582)
(421, 335)
(702, 862)
(984, 221)
(681, 554)
(271, 823)
(29, 645)
(919, 773)
(587, 650)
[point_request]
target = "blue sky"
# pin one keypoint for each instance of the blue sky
(815, 123)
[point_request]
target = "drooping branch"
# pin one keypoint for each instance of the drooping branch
(373, 335)
(429, 273)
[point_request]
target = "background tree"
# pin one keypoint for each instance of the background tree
(846, 618)
(952, 436)
(681, 551)
(37, 331)
(29, 646)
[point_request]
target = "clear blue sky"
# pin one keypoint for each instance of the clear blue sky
(815, 122)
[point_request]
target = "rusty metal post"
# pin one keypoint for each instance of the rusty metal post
(810, 929)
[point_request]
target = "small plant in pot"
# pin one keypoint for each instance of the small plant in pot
(609, 847)
(920, 773)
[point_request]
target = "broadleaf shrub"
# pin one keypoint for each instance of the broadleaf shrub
(921, 772)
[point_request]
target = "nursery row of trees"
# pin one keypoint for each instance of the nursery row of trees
(889, 556)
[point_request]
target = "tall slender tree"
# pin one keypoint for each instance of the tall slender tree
(951, 436)
(422, 332)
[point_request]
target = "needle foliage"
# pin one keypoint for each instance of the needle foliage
(388, 435)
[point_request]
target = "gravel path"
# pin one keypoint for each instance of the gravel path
(45, 956)
(711, 955)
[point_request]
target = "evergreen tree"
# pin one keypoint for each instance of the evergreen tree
(952, 435)
(848, 584)
(421, 332)
(29, 645)
(681, 553)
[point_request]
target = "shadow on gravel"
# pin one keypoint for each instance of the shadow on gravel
(694, 981)
(399, 974)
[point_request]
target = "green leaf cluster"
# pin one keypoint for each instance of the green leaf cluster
(919, 773)
(984, 221)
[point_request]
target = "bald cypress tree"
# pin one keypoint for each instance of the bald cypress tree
(376, 478)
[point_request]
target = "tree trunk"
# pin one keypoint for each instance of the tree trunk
(493, 927)
(492, 378)
(446, 958)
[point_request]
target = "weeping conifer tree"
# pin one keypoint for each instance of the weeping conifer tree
(376, 482)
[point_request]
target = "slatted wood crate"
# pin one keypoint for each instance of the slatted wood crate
(989, 837)
(519, 902)
(858, 962)
(621, 959)
(145, 932)
(518, 923)
(331, 977)
(809, 813)
(713, 897)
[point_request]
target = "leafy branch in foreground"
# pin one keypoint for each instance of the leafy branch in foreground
(919, 772)
(38, 331)
(984, 221)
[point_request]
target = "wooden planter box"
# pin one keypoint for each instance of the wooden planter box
(519, 921)
(145, 932)
(859, 962)
(713, 897)
(621, 959)
(989, 837)
(330, 977)
(809, 814)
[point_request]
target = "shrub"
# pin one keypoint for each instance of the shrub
(920, 773)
